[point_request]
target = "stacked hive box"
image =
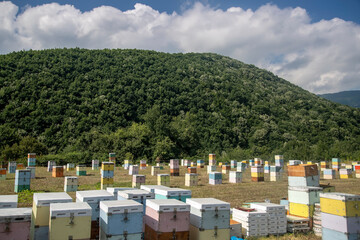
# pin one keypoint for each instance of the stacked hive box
(241, 167)
(186, 163)
(142, 164)
(70, 166)
(211, 168)
(266, 168)
(251, 162)
(173, 193)
(192, 164)
(275, 173)
(95, 164)
(335, 163)
(303, 189)
(15, 223)
(276, 214)
(295, 162)
(348, 166)
(329, 173)
(191, 179)
(340, 216)
(258, 162)
(166, 219)
(58, 171)
(93, 198)
(2, 174)
(41, 211)
(112, 158)
(324, 165)
(50, 166)
(235, 177)
(345, 173)
(200, 163)
(121, 220)
(155, 170)
(279, 161)
(81, 170)
(151, 188)
(8, 201)
(107, 174)
(114, 190)
(163, 179)
(235, 229)
(225, 169)
(354, 164)
(357, 171)
(32, 171)
(71, 184)
(31, 159)
(126, 164)
(215, 178)
(138, 195)
(70, 221)
(343, 165)
(257, 173)
(191, 170)
(209, 219)
(12, 167)
(233, 164)
(133, 169)
(254, 222)
(138, 180)
(22, 180)
(317, 220)
(309, 162)
(20, 166)
(174, 167)
(212, 159)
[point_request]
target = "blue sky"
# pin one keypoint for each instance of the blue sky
(314, 44)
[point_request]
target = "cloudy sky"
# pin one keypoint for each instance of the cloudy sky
(314, 44)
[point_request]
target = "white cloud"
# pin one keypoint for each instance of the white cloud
(320, 57)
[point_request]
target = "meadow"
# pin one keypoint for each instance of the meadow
(235, 194)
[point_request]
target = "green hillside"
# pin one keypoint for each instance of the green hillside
(77, 104)
(350, 98)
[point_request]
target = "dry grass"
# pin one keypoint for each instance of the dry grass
(235, 194)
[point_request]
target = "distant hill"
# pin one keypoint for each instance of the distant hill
(350, 98)
(82, 104)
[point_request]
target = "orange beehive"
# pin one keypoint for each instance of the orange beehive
(303, 170)
(191, 169)
(58, 171)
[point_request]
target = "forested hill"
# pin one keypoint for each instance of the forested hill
(350, 98)
(79, 104)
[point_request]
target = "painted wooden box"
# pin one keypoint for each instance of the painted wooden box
(329, 234)
(137, 195)
(341, 204)
(312, 181)
(211, 168)
(151, 234)
(114, 190)
(210, 234)
(301, 210)
(173, 193)
(151, 188)
(126, 236)
(341, 223)
(304, 195)
(8, 201)
(15, 223)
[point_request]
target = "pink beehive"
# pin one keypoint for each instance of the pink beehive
(15, 223)
(167, 215)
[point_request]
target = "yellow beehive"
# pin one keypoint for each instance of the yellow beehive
(107, 166)
(70, 221)
(345, 176)
(266, 163)
(107, 181)
(257, 174)
(348, 166)
(163, 179)
(220, 164)
(301, 210)
(210, 234)
(309, 162)
(341, 204)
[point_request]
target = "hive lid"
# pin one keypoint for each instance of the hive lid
(340, 196)
(120, 206)
(136, 194)
(44, 199)
(15, 214)
(305, 189)
(167, 205)
(94, 196)
(151, 188)
(117, 189)
(173, 192)
(208, 203)
(268, 207)
(8, 199)
(80, 209)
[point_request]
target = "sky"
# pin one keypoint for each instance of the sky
(313, 44)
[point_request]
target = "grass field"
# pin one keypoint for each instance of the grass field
(235, 194)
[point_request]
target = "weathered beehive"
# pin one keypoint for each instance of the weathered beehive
(15, 223)
(31, 160)
(22, 180)
(71, 184)
(95, 164)
(138, 180)
(215, 178)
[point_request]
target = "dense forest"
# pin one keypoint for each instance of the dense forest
(78, 105)
(350, 98)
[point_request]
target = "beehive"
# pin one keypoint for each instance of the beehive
(345, 173)
(58, 171)
(133, 169)
(211, 168)
(41, 212)
(50, 166)
(31, 160)
(107, 174)
(126, 164)
(163, 179)
(191, 179)
(215, 178)
(112, 158)
(200, 163)
(254, 222)
(71, 184)
(212, 159)
(22, 180)
(81, 170)
(138, 195)
(305, 195)
(12, 167)
(357, 171)
(225, 169)
(174, 167)
(235, 228)
(155, 170)
(138, 180)
(329, 173)
(311, 181)
(120, 219)
(142, 164)
(32, 171)
(233, 164)
(279, 161)
(2, 174)
(70, 166)
(276, 217)
(95, 164)
(173, 193)
(301, 210)
(151, 188)
(266, 169)
(235, 177)
(114, 190)
(336, 163)
(258, 162)
(340, 204)
(8, 201)
(15, 223)
(70, 221)
(166, 217)
(191, 169)
(257, 173)
(20, 166)
(324, 165)
(275, 173)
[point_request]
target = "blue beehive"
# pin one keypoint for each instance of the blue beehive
(107, 174)
(173, 193)
(137, 195)
(121, 216)
(215, 175)
(22, 180)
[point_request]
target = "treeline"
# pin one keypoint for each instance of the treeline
(77, 105)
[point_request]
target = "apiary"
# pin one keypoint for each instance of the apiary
(70, 221)
(215, 178)
(15, 223)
